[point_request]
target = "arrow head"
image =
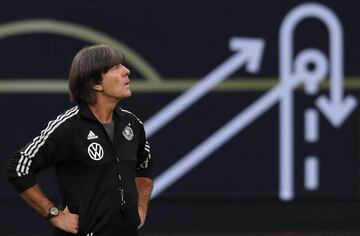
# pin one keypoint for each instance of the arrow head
(252, 49)
(336, 111)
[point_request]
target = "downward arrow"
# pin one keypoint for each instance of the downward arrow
(248, 52)
(336, 110)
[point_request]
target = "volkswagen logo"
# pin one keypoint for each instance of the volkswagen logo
(95, 151)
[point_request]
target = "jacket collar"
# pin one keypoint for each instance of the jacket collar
(86, 113)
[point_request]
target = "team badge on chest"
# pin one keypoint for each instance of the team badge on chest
(95, 151)
(128, 132)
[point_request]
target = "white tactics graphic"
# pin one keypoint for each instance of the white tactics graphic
(337, 109)
(292, 73)
(249, 53)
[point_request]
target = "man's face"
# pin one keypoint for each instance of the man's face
(116, 83)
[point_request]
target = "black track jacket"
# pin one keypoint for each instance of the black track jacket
(96, 177)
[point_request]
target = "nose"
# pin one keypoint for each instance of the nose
(126, 71)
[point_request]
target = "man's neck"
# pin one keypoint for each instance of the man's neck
(103, 111)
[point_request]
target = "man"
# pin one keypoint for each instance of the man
(100, 154)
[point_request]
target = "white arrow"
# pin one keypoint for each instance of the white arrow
(249, 53)
(336, 109)
(221, 136)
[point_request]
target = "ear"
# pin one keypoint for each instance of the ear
(98, 87)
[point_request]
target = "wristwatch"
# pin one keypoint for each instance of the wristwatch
(53, 211)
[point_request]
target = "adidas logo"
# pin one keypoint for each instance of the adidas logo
(91, 135)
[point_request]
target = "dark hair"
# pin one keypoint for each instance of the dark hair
(87, 68)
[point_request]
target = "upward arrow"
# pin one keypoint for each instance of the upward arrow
(248, 52)
(251, 51)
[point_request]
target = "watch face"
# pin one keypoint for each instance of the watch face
(54, 211)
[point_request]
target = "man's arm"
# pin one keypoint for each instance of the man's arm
(144, 187)
(39, 202)
(49, 148)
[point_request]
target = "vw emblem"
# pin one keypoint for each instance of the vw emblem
(95, 151)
